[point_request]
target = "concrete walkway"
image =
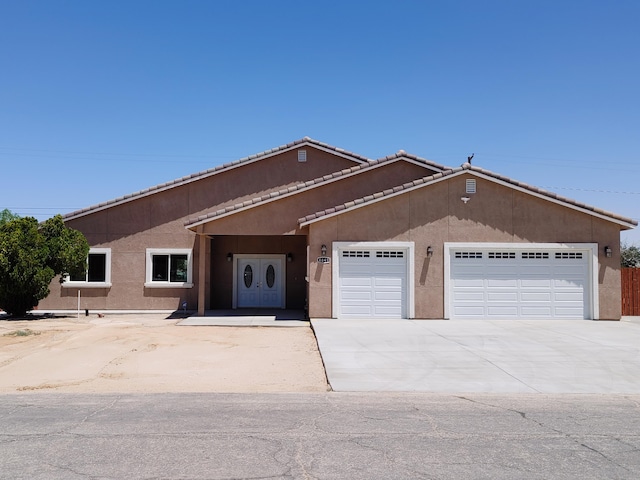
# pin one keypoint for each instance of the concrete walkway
(249, 317)
(544, 356)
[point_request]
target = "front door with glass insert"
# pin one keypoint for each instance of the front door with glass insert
(260, 282)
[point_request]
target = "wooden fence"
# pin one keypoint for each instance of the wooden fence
(631, 291)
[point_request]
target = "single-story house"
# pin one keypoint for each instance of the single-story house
(310, 226)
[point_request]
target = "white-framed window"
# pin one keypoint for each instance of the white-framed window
(169, 268)
(98, 274)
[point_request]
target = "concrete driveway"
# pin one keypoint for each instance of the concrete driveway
(544, 356)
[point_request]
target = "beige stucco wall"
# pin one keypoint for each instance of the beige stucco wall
(435, 214)
(157, 221)
(280, 217)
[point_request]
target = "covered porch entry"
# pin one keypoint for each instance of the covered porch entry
(254, 273)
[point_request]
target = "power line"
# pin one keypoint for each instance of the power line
(591, 190)
(42, 208)
(53, 153)
(115, 154)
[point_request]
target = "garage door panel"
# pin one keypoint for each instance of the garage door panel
(388, 284)
(468, 295)
(355, 282)
(373, 283)
(357, 310)
(385, 295)
(499, 268)
(539, 282)
(501, 281)
(527, 311)
(359, 270)
(363, 295)
(568, 283)
(568, 312)
(386, 312)
(502, 311)
(469, 269)
(502, 296)
(568, 296)
(518, 283)
(469, 311)
(535, 296)
(469, 282)
(538, 269)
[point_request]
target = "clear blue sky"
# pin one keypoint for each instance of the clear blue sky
(103, 98)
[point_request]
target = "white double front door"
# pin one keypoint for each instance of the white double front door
(259, 281)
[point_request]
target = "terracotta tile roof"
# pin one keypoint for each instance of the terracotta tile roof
(407, 156)
(212, 171)
(467, 168)
(345, 173)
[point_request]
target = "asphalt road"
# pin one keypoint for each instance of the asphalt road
(320, 436)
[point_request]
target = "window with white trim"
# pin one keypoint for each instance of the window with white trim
(169, 268)
(98, 274)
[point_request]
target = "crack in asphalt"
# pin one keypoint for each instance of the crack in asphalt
(553, 429)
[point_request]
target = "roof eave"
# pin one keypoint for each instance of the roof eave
(625, 223)
(306, 141)
(318, 182)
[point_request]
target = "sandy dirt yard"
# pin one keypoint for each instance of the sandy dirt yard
(150, 353)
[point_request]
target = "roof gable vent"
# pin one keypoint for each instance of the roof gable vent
(471, 185)
(302, 155)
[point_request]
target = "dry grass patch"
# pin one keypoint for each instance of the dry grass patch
(21, 333)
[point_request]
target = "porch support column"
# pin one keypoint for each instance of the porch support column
(202, 276)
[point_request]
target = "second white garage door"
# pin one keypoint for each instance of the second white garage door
(372, 283)
(519, 283)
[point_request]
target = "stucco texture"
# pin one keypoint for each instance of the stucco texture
(435, 214)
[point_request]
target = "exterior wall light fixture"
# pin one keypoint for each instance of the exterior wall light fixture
(289, 257)
(465, 199)
(429, 251)
(607, 251)
(229, 257)
(323, 250)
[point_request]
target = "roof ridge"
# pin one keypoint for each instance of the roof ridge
(431, 163)
(294, 188)
(211, 171)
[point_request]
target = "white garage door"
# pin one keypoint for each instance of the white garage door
(372, 283)
(518, 283)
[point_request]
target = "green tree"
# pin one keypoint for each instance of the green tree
(7, 215)
(31, 255)
(629, 255)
